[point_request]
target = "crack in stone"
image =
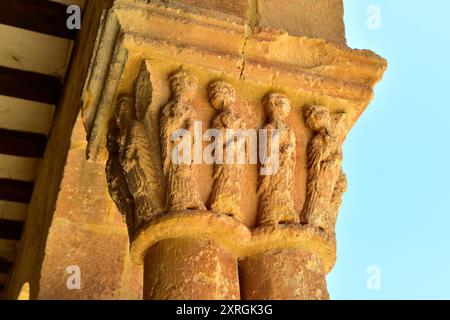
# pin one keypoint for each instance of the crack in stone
(253, 20)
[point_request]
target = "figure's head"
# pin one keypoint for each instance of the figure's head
(317, 118)
(125, 110)
(183, 85)
(277, 105)
(221, 94)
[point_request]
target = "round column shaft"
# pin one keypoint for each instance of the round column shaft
(285, 274)
(189, 269)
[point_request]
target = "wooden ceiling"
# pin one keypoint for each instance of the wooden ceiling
(35, 50)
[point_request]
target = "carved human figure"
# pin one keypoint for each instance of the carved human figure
(177, 116)
(228, 172)
(276, 204)
(132, 180)
(326, 181)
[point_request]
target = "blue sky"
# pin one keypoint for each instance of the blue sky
(396, 213)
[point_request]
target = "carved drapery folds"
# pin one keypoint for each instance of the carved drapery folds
(177, 119)
(226, 192)
(326, 180)
(132, 177)
(277, 186)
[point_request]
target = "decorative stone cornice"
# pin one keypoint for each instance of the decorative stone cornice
(304, 68)
(158, 71)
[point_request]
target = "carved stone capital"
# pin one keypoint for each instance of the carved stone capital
(167, 85)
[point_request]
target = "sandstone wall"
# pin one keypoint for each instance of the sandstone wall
(87, 231)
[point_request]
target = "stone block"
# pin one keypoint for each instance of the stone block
(316, 19)
(103, 260)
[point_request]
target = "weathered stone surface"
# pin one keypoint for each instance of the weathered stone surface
(182, 191)
(226, 193)
(326, 180)
(231, 235)
(275, 190)
(307, 70)
(316, 19)
(83, 193)
(190, 269)
(287, 274)
(87, 231)
(238, 8)
(99, 252)
(226, 231)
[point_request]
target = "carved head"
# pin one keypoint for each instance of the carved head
(277, 105)
(184, 85)
(125, 111)
(317, 118)
(221, 94)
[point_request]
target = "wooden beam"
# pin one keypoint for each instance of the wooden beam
(22, 144)
(31, 51)
(8, 249)
(29, 85)
(34, 239)
(5, 265)
(25, 115)
(3, 279)
(13, 210)
(10, 230)
(18, 168)
(15, 190)
(37, 15)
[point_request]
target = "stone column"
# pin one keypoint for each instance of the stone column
(190, 269)
(284, 274)
(208, 229)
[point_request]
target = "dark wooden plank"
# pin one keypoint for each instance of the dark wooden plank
(37, 15)
(15, 190)
(10, 230)
(5, 265)
(29, 85)
(22, 144)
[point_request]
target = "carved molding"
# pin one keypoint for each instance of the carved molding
(136, 30)
(233, 236)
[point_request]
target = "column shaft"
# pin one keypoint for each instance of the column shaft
(286, 274)
(189, 269)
